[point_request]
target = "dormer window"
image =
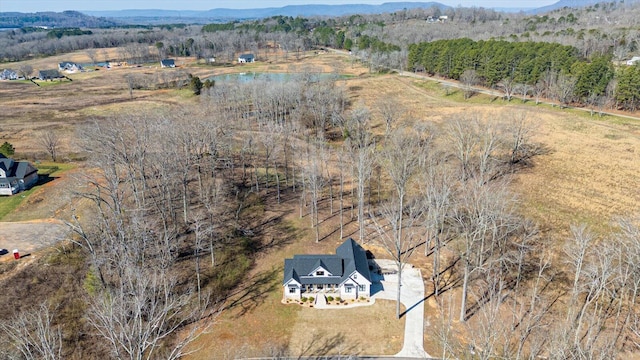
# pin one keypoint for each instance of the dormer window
(319, 273)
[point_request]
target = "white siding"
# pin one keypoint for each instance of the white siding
(292, 284)
(292, 295)
(353, 294)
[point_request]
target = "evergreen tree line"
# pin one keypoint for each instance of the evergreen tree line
(531, 68)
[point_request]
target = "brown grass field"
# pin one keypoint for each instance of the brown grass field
(588, 174)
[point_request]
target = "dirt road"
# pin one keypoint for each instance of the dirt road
(29, 236)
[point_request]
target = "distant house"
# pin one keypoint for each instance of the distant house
(633, 60)
(8, 74)
(246, 58)
(49, 74)
(345, 274)
(69, 66)
(16, 176)
(170, 63)
(211, 60)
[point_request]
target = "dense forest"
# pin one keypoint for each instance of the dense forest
(546, 70)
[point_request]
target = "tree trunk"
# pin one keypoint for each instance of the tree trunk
(277, 182)
(399, 288)
(463, 301)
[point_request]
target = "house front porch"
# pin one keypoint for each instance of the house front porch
(313, 290)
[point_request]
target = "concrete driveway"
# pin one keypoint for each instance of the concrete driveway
(412, 297)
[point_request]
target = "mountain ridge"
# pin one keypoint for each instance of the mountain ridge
(289, 10)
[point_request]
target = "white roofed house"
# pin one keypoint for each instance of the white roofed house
(16, 176)
(8, 74)
(345, 274)
(69, 66)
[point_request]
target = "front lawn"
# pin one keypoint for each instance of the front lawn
(46, 172)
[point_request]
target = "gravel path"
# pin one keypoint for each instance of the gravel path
(29, 236)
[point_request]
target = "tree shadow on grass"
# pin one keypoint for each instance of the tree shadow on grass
(254, 291)
(326, 346)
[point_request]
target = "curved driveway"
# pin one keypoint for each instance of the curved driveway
(412, 297)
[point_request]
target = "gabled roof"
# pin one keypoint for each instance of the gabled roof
(6, 165)
(167, 62)
(349, 257)
(24, 169)
(49, 74)
(246, 56)
(68, 65)
(358, 258)
(16, 169)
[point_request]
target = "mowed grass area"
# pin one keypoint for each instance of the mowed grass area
(366, 330)
(256, 323)
(10, 204)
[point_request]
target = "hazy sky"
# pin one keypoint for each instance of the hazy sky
(60, 5)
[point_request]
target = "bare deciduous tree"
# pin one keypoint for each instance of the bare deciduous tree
(33, 334)
(391, 112)
(361, 145)
(484, 220)
(518, 137)
(92, 54)
(469, 79)
(25, 71)
(508, 86)
(396, 222)
(50, 142)
(315, 183)
(437, 189)
(136, 317)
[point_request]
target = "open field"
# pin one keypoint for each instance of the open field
(587, 174)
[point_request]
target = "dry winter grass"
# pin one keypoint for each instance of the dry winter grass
(588, 173)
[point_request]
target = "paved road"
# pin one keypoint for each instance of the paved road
(412, 297)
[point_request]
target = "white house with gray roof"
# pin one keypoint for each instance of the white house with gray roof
(16, 176)
(246, 58)
(345, 274)
(8, 74)
(69, 66)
